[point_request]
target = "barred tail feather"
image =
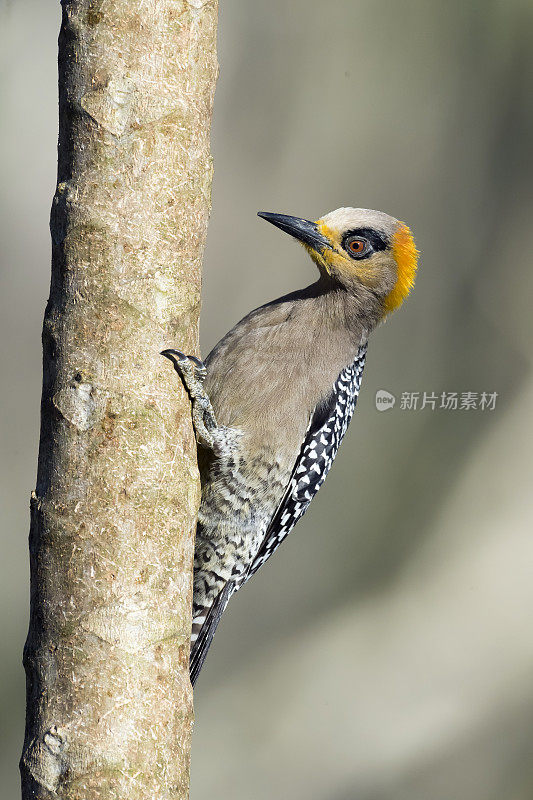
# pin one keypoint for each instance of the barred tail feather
(204, 636)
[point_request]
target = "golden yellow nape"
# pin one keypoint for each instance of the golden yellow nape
(406, 257)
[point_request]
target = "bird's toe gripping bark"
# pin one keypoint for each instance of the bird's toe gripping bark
(198, 366)
(193, 372)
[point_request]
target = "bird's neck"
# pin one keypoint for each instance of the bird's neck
(357, 310)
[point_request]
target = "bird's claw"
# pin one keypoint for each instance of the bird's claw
(200, 370)
(186, 366)
(193, 372)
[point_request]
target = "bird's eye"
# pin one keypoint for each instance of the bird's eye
(357, 246)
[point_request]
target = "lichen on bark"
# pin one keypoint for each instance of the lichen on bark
(109, 705)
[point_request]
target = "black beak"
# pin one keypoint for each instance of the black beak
(303, 230)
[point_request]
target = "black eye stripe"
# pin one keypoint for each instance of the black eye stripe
(377, 240)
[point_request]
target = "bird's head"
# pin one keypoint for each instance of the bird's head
(358, 247)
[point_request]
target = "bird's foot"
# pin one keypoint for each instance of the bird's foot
(193, 372)
(190, 368)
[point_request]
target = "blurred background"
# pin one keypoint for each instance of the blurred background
(386, 652)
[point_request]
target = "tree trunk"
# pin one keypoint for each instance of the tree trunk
(109, 705)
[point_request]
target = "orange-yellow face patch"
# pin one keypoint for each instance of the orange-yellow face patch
(331, 235)
(404, 253)
(328, 259)
(406, 257)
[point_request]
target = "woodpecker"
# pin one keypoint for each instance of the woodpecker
(273, 400)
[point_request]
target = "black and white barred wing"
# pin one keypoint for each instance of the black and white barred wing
(324, 435)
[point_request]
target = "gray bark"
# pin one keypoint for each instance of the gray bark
(109, 704)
